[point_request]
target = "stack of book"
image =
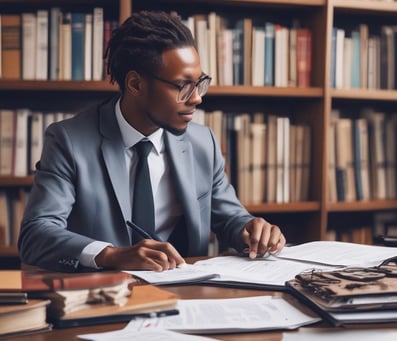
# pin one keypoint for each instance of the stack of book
(37, 300)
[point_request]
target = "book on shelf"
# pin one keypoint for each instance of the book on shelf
(361, 159)
(304, 57)
(347, 58)
(20, 145)
(258, 161)
(258, 56)
(269, 53)
(77, 27)
(88, 53)
(281, 55)
(65, 47)
(42, 47)
(97, 43)
(11, 46)
(7, 134)
(29, 26)
(356, 59)
(17, 319)
(377, 148)
(271, 158)
(54, 24)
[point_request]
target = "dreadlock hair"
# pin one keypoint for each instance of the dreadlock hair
(138, 44)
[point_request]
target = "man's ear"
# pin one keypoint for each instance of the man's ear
(133, 82)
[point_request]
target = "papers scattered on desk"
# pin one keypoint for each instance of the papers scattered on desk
(212, 316)
(230, 315)
(186, 274)
(338, 253)
(271, 272)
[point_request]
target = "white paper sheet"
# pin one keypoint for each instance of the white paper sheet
(210, 316)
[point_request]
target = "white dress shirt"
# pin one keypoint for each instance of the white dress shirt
(166, 204)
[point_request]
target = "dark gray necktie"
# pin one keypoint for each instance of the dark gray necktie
(143, 207)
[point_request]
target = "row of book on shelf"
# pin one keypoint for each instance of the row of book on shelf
(382, 225)
(54, 44)
(364, 59)
(362, 156)
(267, 156)
(249, 52)
(21, 138)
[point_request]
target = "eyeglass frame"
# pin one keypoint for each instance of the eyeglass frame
(196, 83)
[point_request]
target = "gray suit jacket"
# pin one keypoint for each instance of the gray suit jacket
(80, 195)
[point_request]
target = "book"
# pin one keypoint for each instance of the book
(304, 57)
(36, 139)
(145, 301)
(55, 18)
(97, 43)
(65, 47)
(20, 149)
(7, 133)
(42, 45)
(88, 47)
(269, 53)
(28, 46)
(11, 46)
(40, 280)
(23, 318)
(77, 26)
(13, 297)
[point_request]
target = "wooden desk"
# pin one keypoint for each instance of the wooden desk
(187, 292)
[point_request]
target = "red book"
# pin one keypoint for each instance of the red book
(39, 280)
(303, 57)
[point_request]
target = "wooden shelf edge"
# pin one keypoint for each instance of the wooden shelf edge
(15, 181)
(250, 91)
(364, 94)
(9, 251)
(34, 85)
(375, 6)
(293, 207)
(356, 206)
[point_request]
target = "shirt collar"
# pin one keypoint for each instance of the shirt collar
(131, 136)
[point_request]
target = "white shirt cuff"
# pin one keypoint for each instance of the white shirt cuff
(87, 257)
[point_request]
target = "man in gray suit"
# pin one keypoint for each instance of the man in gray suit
(82, 197)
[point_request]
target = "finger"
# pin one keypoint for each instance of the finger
(279, 246)
(254, 232)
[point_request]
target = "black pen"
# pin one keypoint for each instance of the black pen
(141, 232)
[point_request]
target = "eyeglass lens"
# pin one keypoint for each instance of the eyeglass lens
(188, 89)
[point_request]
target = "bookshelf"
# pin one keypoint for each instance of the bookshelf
(301, 220)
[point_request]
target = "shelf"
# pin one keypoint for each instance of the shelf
(369, 5)
(300, 207)
(364, 94)
(300, 3)
(16, 181)
(19, 85)
(260, 91)
(356, 206)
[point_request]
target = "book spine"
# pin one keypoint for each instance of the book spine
(77, 46)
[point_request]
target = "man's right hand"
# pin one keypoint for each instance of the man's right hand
(146, 255)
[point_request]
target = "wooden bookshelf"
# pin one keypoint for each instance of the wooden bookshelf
(312, 105)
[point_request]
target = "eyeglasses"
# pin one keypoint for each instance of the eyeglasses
(187, 88)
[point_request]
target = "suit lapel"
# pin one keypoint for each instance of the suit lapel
(113, 155)
(182, 163)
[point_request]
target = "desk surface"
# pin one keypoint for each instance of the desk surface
(187, 292)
